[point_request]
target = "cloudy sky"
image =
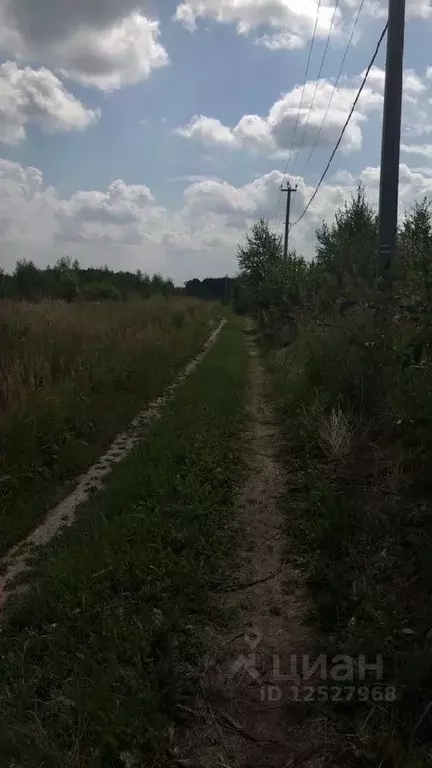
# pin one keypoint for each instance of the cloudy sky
(152, 133)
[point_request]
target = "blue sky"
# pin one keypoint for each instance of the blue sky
(152, 138)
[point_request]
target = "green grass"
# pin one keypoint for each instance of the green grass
(361, 520)
(96, 657)
(73, 376)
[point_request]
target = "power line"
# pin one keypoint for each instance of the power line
(336, 81)
(316, 85)
(304, 84)
(372, 62)
(274, 221)
(278, 223)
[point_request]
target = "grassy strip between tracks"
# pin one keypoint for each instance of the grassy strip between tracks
(96, 657)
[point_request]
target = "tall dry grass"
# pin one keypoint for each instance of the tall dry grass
(71, 376)
(54, 342)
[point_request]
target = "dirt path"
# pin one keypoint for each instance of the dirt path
(246, 717)
(17, 561)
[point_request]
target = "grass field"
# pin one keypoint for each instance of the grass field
(73, 375)
(95, 660)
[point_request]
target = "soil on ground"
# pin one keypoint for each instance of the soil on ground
(251, 711)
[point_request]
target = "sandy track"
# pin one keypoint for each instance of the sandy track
(17, 560)
(239, 721)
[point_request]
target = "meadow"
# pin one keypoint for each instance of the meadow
(101, 652)
(71, 376)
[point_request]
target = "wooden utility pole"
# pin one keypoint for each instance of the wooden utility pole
(288, 191)
(390, 154)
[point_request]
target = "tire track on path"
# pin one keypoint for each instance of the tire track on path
(17, 561)
(242, 715)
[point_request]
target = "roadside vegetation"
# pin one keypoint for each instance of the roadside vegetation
(352, 366)
(71, 377)
(97, 659)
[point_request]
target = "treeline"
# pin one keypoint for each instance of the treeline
(68, 281)
(212, 288)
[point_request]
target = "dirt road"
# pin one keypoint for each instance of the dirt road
(246, 714)
(18, 560)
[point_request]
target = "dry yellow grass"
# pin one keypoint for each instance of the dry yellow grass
(54, 342)
(71, 377)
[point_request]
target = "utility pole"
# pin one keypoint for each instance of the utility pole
(226, 289)
(288, 191)
(391, 135)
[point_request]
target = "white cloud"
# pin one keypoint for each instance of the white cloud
(293, 20)
(186, 16)
(288, 24)
(27, 214)
(104, 43)
(119, 55)
(208, 131)
(413, 85)
(280, 41)
(37, 96)
(124, 227)
(425, 150)
(251, 200)
(273, 134)
(419, 9)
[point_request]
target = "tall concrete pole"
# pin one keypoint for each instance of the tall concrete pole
(390, 154)
(288, 191)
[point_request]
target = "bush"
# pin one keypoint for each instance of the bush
(355, 385)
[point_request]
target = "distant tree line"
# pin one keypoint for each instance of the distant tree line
(212, 288)
(67, 281)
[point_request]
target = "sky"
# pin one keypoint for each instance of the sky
(152, 134)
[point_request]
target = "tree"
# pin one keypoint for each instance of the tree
(262, 248)
(28, 280)
(415, 251)
(347, 248)
(257, 258)
(66, 279)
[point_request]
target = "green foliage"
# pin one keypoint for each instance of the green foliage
(96, 660)
(262, 251)
(347, 248)
(71, 377)
(355, 386)
(362, 520)
(269, 285)
(221, 289)
(415, 248)
(103, 291)
(67, 281)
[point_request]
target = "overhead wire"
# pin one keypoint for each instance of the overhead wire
(366, 75)
(336, 83)
(316, 86)
(275, 220)
(304, 83)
